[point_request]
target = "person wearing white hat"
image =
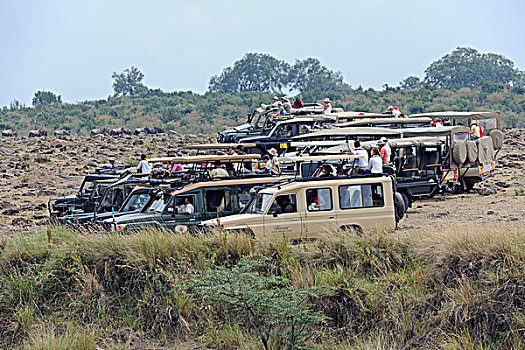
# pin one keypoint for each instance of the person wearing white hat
(327, 106)
(274, 167)
(394, 111)
(286, 104)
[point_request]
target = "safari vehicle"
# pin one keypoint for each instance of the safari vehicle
(311, 208)
(258, 122)
(488, 120)
(209, 199)
(349, 133)
(465, 162)
(393, 123)
(90, 188)
(119, 199)
(280, 135)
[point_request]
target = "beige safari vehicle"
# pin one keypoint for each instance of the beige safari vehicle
(305, 210)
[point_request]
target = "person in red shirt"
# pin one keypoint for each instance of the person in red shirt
(384, 151)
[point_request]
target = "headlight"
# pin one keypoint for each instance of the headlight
(119, 227)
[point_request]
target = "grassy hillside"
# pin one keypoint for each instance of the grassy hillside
(193, 113)
(464, 288)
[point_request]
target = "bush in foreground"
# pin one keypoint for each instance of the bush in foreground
(463, 287)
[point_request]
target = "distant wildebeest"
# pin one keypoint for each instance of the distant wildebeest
(120, 132)
(99, 131)
(156, 130)
(62, 133)
(37, 133)
(9, 133)
(139, 131)
(149, 131)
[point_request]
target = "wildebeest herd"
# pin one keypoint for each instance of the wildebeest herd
(100, 131)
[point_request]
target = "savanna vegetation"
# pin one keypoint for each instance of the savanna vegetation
(460, 288)
(463, 80)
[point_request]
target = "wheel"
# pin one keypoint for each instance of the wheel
(468, 184)
(407, 201)
(399, 205)
(352, 230)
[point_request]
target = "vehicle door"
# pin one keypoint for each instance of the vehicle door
(283, 218)
(363, 205)
(282, 136)
(320, 217)
(217, 202)
(179, 215)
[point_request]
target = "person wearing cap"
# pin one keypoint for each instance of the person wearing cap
(447, 122)
(275, 99)
(275, 168)
(280, 112)
(144, 167)
(384, 150)
(476, 131)
(394, 111)
(286, 104)
(327, 106)
(218, 171)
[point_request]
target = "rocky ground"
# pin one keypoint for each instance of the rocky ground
(34, 170)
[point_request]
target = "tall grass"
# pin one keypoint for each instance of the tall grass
(463, 287)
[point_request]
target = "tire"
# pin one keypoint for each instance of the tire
(468, 184)
(472, 152)
(352, 229)
(399, 205)
(407, 201)
(459, 153)
(497, 138)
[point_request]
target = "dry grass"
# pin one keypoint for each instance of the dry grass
(459, 288)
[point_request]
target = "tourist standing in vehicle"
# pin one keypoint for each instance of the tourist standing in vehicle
(144, 167)
(394, 111)
(218, 171)
(476, 130)
(176, 167)
(232, 151)
(286, 104)
(240, 150)
(327, 106)
(298, 103)
(275, 168)
(447, 122)
(362, 162)
(375, 163)
(385, 150)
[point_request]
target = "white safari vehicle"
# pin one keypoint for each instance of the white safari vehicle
(307, 209)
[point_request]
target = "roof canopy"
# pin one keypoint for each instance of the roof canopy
(207, 158)
(352, 131)
(458, 115)
(384, 121)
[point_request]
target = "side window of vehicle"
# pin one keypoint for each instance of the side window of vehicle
(243, 195)
(361, 196)
(284, 204)
(319, 199)
(218, 200)
(184, 205)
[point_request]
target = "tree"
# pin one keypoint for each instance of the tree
(253, 72)
(309, 74)
(129, 82)
(45, 98)
(466, 67)
(411, 82)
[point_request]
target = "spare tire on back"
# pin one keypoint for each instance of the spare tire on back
(497, 138)
(472, 151)
(459, 153)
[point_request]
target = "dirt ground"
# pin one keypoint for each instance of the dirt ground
(33, 170)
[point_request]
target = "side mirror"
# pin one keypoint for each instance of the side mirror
(277, 212)
(171, 211)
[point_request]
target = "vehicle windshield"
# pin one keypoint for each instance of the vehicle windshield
(260, 203)
(158, 204)
(86, 188)
(136, 201)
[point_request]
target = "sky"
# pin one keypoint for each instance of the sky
(72, 47)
